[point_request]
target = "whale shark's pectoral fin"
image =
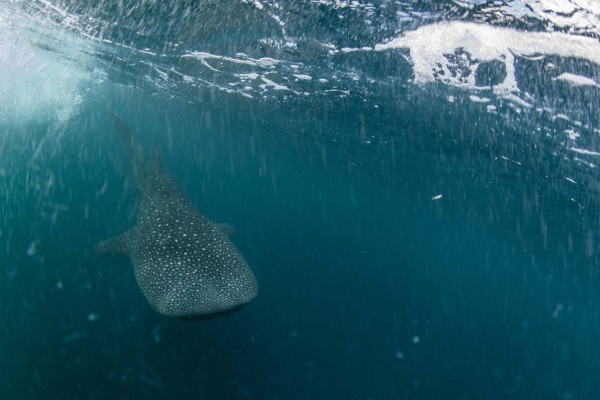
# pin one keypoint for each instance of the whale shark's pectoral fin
(118, 245)
(226, 229)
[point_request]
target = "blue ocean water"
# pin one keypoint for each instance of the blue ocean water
(414, 185)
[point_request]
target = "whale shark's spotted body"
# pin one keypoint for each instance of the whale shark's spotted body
(184, 263)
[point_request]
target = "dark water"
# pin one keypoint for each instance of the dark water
(409, 241)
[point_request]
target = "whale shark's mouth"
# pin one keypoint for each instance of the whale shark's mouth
(216, 314)
(211, 314)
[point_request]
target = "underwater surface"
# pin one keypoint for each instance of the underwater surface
(413, 183)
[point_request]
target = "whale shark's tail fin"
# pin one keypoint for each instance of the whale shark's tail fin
(134, 149)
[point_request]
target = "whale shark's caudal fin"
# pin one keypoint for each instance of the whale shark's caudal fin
(118, 245)
(135, 152)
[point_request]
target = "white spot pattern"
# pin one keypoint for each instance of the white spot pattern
(184, 264)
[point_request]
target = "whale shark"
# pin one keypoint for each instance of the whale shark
(184, 263)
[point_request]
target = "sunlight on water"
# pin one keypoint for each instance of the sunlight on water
(414, 183)
(36, 85)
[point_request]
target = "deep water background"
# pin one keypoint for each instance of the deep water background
(409, 241)
(368, 287)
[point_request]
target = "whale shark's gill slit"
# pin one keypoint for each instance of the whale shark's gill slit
(185, 265)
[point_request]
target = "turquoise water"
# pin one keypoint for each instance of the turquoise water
(414, 236)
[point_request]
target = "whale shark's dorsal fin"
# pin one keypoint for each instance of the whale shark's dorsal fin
(118, 245)
(226, 228)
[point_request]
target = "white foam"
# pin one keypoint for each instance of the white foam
(517, 100)
(270, 83)
(252, 76)
(572, 134)
(36, 85)
(266, 62)
(589, 164)
(584, 151)
(203, 56)
(429, 45)
(353, 49)
(303, 77)
(576, 80)
(575, 15)
(256, 3)
(476, 99)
